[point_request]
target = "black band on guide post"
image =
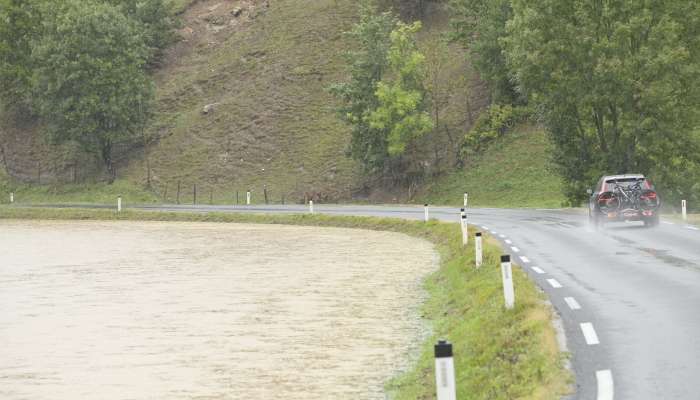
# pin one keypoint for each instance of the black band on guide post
(505, 258)
(443, 349)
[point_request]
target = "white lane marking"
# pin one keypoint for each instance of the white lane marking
(508, 241)
(555, 284)
(525, 259)
(538, 270)
(589, 334)
(515, 249)
(606, 389)
(667, 223)
(502, 236)
(693, 228)
(486, 228)
(573, 304)
(494, 232)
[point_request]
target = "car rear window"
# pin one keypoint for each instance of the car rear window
(627, 182)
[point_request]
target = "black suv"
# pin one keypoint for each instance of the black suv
(624, 198)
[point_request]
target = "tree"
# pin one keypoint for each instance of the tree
(157, 20)
(20, 22)
(401, 109)
(480, 26)
(91, 87)
(367, 65)
(615, 83)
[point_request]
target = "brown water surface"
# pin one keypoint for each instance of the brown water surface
(131, 310)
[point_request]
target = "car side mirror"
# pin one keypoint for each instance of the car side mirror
(589, 191)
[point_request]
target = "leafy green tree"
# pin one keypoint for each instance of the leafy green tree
(157, 20)
(480, 26)
(367, 64)
(402, 110)
(91, 87)
(20, 22)
(615, 83)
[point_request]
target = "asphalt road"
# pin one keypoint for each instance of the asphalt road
(628, 296)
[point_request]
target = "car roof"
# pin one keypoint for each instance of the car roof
(627, 176)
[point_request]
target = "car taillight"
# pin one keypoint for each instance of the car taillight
(607, 200)
(649, 199)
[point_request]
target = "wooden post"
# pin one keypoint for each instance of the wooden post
(265, 192)
(211, 196)
(194, 194)
(177, 199)
(165, 193)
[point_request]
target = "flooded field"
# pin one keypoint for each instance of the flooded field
(130, 310)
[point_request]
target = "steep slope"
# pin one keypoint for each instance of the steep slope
(512, 172)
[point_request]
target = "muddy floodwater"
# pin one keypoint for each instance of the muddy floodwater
(132, 310)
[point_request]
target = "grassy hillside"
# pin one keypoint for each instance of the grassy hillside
(262, 73)
(512, 172)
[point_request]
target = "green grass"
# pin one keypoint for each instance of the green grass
(512, 172)
(75, 193)
(499, 354)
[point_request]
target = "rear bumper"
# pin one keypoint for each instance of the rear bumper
(630, 215)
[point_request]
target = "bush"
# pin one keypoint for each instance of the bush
(492, 124)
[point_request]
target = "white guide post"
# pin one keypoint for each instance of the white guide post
(12, 197)
(311, 206)
(507, 274)
(445, 371)
(684, 209)
(466, 199)
(247, 198)
(119, 204)
(465, 230)
(479, 251)
(426, 212)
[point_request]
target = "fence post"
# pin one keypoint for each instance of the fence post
(466, 199)
(445, 371)
(426, 213)
(165, 193)
(311, 206)
(119, 204)
(265, 193)
(177, 199)
(465, 230)
(211, 196)
(479, 251)
(194, 194)
(247, 197)
(236, 197)
(507, 274)
(12, 197)
(684, 209)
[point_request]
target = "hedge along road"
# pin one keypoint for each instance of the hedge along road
(115, 310)
(628, 296)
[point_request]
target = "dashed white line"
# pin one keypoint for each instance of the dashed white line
(589, 334)
(525, 259)
(502, 236)
(486, 228)
(515, 249)
(494, 232)
(572, 303)
(692, 228)
(538, 270)
(606, 389)
(555, 284)
(508, 242)
(667, 223)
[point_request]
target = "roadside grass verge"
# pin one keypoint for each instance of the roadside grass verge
(499, 354)
(88, 193)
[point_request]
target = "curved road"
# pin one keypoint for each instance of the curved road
(628, 296)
